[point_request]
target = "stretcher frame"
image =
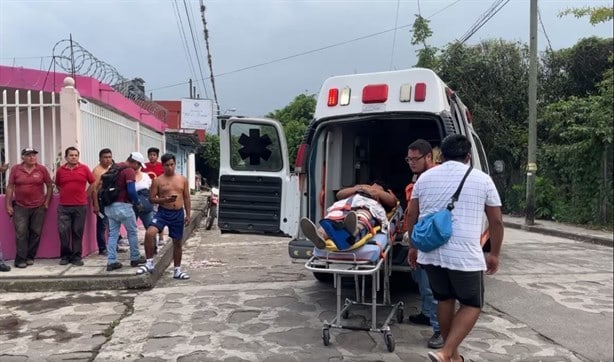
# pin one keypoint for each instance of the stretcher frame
(360, 269)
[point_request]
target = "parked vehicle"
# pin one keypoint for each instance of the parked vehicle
(211, 212)
(362, 126)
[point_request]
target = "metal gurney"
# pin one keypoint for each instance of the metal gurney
(370, 260)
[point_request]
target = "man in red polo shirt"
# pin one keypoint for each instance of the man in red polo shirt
(72, 179)
(26, 203)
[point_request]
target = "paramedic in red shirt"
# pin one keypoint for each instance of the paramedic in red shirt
(26, 203)
(72, 180)
(154, 167)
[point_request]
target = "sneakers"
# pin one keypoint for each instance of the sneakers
(77, 262)
(30, 262)
(419, 318)
(139, 261)
(4, 267)
(64, 261)
(21, 265)
(114, 266)
(103, 252)
(311, 233)
(351, 221)
(436, 341)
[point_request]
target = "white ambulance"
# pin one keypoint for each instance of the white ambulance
(362, 126)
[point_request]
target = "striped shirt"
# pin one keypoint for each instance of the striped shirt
(434, 189)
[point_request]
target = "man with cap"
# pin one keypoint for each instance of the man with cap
(71, 180)
(28, 194)
(121, 212)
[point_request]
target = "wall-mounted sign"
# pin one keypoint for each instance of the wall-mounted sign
(196, 113)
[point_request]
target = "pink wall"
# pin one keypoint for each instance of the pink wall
(90, 88)
(50, 241)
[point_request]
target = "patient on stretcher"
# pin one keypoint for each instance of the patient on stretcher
(360, 208)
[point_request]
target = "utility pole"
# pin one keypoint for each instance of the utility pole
(190, 88)
(532, 157)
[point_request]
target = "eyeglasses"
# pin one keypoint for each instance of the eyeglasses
(413, 159)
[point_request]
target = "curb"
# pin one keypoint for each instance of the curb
(106, 282)
(587, 238)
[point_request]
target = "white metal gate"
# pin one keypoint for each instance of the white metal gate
(29, 119)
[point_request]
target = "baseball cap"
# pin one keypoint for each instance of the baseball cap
(138, 157)
(28, 150)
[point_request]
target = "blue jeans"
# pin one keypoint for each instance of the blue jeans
(429, 304)
(121, 213)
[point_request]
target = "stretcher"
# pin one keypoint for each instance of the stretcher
(372, 260)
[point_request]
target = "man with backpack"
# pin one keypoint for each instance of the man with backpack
(117, 195)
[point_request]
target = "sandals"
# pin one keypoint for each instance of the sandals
(309, 229)
(181, 276)
(143, 269)
(434, 357)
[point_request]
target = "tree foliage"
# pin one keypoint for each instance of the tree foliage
(598, 14)
(295, 118)
(421, 31)
(208, 161)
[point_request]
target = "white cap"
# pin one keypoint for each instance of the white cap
(138, 157)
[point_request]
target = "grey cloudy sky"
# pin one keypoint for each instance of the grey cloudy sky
(141, 38)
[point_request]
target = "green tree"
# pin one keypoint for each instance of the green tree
(598, 14)
(492, 80)
(421, 31)
(295, 118)
(208, 162)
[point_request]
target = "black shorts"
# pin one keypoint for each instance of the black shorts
(466, 287)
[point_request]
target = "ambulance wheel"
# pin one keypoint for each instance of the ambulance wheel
(389, 339)
(345, 314)
(326, 336)
(400, 315)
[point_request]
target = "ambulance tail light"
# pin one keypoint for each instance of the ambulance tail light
(301, 155)
(420, 92)
(333, 97)
(375, 93)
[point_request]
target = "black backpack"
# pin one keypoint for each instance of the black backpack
(109, 192)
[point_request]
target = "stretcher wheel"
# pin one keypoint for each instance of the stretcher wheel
(326, 336)
(400, 315)
(389, 339)
(345, 314)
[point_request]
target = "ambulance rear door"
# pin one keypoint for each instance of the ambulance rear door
(258, 192)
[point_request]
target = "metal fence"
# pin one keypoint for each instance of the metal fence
(28, 119)
(32, 119)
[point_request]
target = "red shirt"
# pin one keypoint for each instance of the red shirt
(29, 191)
(127, 174)
(154, 169)
(73, 184)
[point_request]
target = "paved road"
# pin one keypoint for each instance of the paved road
(551, 301)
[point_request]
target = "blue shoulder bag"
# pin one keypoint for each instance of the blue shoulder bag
(434, 230)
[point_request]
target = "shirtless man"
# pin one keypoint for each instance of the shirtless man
(105, 160)
(172, 193)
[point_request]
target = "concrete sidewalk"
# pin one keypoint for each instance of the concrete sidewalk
(48, 275)
(574, 232)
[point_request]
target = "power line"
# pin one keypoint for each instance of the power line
(539, 16)
(312, 50)
(184, 42)
(201, 49)
(394, 37)
(483, 19)
(200, 67)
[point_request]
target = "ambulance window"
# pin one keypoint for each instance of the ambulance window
(481, 153)
(255, 148)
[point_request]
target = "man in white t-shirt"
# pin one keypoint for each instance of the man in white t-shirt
(455, 270)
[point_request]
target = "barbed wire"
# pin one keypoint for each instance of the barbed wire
(73, 58)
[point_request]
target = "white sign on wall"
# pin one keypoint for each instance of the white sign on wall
(196, 113)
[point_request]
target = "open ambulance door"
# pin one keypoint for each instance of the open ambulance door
(258, 193)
